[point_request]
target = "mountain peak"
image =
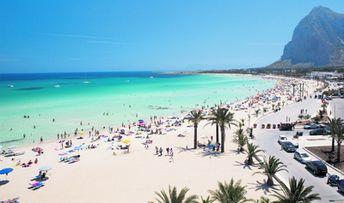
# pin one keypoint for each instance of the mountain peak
(318, 39)
(321, 9)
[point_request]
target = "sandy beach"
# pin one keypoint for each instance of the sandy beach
(107, 174)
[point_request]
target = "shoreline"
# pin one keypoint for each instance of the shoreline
(86, 127)
(155, 172)
(263, 77)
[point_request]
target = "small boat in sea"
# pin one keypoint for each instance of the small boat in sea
(151, 77)
(10, 86)
(86, 82)
(57, 85)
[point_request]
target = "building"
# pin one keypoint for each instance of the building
(326, 75)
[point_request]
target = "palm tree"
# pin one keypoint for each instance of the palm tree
(233, 192)
(224, 118)
(339, 137)
(215, 122)
(207, 200)
(296, 192)
(240, 137)
(264, 200)
(321, 114)
(334, 123)
(252, 151)
(174, 197)
(324, 106)
(270, 167)
(195, 117)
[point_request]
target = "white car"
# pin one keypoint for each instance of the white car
(302, 156)
(283, 138)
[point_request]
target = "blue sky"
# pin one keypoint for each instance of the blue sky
(87, 35)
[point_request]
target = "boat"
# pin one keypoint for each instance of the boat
(57, 86)
(10, 86)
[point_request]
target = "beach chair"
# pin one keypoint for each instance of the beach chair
(36, 185)
(72, 160)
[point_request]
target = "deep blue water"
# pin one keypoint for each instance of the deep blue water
(88, 75)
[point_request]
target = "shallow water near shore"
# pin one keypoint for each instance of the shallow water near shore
(107, 99)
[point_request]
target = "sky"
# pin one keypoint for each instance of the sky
(135, 35)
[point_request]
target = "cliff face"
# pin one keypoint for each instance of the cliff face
(318, 39)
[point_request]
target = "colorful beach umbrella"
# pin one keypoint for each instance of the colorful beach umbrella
(6, 171)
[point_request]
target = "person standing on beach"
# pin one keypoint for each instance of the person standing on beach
(41, 139)
(161, 150)
(156, 150)
(171, 155)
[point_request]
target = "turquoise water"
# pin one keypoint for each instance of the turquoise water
(124, 97)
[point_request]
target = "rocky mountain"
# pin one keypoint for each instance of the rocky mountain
(317, 40)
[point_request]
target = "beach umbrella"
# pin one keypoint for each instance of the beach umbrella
(126, 141)
(80, 147)
(211, 146)
(6, 171)
(44, 168)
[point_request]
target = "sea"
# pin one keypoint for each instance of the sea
(47, 104)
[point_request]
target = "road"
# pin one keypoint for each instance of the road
(337, 106)
(267, 140)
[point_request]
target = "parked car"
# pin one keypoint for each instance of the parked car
(333, 180)
(316, 167)
(320, 131)
(282, 138)
(302, 156)
(311, 126)
(341, 186)
(288, 146)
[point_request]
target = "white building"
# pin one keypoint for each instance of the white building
(326, 75)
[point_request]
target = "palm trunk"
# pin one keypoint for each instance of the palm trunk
(270, 181)
(223, 139)
(249, 160)
(333, 142)
(217, 133)
(195, 137)
(338, 152)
